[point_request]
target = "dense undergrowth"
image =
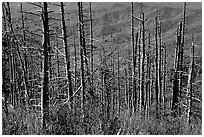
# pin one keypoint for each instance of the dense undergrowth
(63, 121)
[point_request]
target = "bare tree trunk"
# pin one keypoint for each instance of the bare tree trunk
(133, 58)
(129, 87)
(82, 62)
(182, 48)
(190, 85)
(164, 78)
(159, 62)
(24, 40)
(143, 61)
(5, 29)
(126, 89)
(113, 90)
(4, 15)
(156, 65)
(82, 22)
(13, 66)
(67, 53)
(176, 85)
(148, 85)
(18, 51)
(46, 66)
(139, 65)
(139, 82)
(58, 64)
(75, 62)
(24, 44)
(91, 42)
(118, 86)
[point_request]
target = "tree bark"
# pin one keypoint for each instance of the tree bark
(46, 66)
(190, 85)
(67, 53)
(143, 61)
(82, 61)
(91, 42)
(156, 66)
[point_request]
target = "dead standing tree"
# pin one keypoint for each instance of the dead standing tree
(45, 94)
(178, 74)
(16, 42)
(156, 64)
(91, 43)
(118, 84)
(182, 49)
(176, 85)
(133, 58)
(82, 46)
(67, 52)
(190, 83)
(143, 62)
(160, 62)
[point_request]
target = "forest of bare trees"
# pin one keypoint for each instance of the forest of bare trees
(59, 76)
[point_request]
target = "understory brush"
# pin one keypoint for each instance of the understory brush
(158, 125)
(66, 122)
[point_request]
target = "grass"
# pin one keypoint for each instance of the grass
(124, 124)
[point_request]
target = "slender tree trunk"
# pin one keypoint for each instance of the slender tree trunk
(156, 66)
(5, 29)
(159, 63)
(24, 44)
(136, 98)
(91, 42)
(118, 86)
(13, 65)
(139, 65)
(133, 57)
(82, 61)
(176, 84)
(82, 22)
(46, 66)
(67, 53)
(148, 87)
(126, 89)
(4, 21)
(75, 63)
(190, 85)
(129, 87)
(164, 78)
(143, 61)
(58, 63)
(182, 47)
(18, 51)
(113, 90)
(24, 40)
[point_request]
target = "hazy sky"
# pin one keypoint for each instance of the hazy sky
(191, 5)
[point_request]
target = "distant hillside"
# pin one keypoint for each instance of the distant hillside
(113, 19)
